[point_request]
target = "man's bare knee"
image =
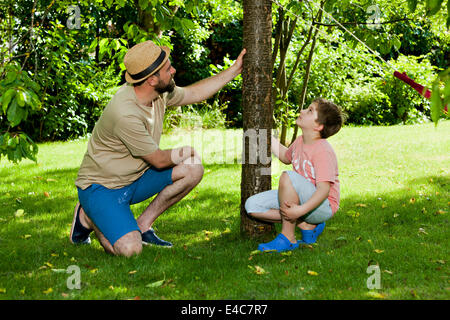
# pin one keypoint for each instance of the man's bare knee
(129, 245)
(193, 169)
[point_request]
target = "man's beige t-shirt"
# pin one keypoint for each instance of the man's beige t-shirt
(125, 132)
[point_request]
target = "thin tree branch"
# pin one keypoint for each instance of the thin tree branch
(355, 23)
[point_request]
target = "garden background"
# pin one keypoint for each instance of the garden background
(61, 62)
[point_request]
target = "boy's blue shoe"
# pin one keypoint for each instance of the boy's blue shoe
(78, 233)
(310, 236)
(149, 237)
(280, 244)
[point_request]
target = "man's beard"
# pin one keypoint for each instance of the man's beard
(161, 88)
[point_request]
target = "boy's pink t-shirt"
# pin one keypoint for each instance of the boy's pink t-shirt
(316, 162)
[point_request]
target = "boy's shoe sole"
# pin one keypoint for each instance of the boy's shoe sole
(78, 233)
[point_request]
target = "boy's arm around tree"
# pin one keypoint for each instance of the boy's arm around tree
(279, 150)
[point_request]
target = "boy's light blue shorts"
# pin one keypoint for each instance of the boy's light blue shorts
(109, 209)
(267, 200)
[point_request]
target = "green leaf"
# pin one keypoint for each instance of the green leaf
(20, 97)
(412, 5)
(7, 97)
(155, 284)
(15, 114)
(436, 103)
(396, 43)
(433, 6)
(10, 77)
(143, 4)
(93, 45)
(448, 14)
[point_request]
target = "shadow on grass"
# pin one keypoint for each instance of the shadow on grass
(211, 258)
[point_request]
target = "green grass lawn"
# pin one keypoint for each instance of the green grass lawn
(394, 214)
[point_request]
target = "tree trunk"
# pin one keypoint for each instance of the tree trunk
(257, 109)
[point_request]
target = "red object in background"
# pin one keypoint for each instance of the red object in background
(418, 87)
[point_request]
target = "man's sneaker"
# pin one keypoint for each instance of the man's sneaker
(78, 233)
(150, 238)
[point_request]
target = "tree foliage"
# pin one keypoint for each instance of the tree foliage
(60, 61)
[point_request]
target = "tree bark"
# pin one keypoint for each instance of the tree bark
(257, 109)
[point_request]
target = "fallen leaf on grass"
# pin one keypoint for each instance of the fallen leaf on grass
(49, 290)
(194, 257)
(378, 251)
(388, 272)
(312, 273)
(376, 295)
(132, 272)
(353, 214)
(361, 205)
(19, 213)
(155, 284)
(258, 270)
(227, 230)
(26, 236)
(46, 194)
(422, 230)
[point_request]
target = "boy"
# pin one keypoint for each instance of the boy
(309, 195)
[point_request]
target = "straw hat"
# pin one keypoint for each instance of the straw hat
(143, 60)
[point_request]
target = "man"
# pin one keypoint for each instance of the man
(123, 164)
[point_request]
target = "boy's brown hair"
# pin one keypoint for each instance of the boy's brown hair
(330, 115)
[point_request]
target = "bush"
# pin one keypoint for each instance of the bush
(367, 105)
(189, 117)
(370, 96)
(408, 105)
